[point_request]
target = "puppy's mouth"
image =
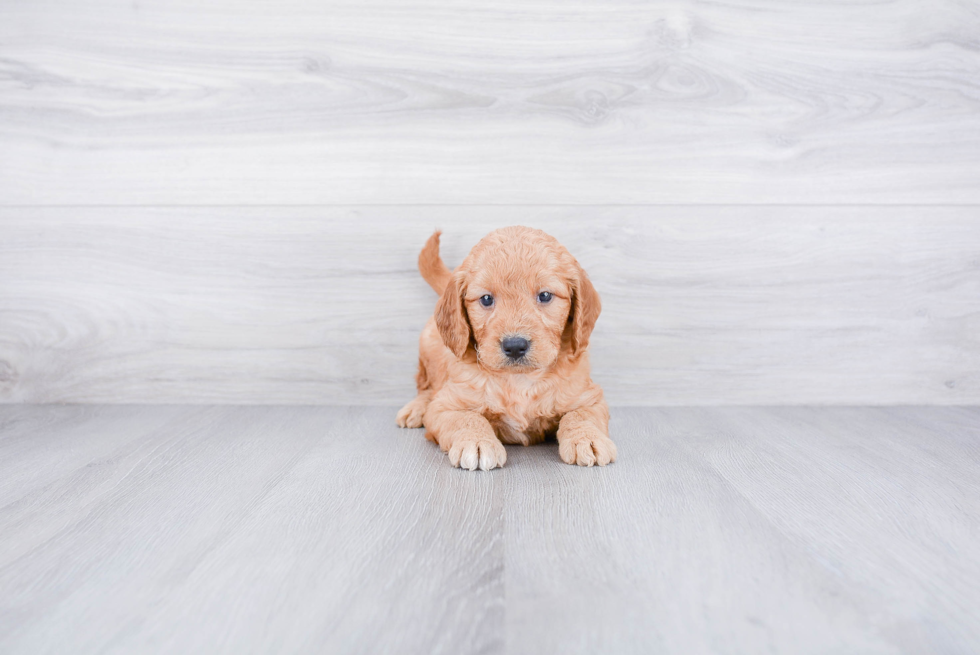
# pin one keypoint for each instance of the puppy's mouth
(507, 365)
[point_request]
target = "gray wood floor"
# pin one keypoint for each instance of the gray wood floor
(130, 529)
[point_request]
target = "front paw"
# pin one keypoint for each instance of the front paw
(410, 416)
(473, 452)
(586, 447)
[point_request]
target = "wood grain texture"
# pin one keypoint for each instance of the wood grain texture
(792, 530)
(315, 529)
(298, 102)
(241, 530)
(315, 305)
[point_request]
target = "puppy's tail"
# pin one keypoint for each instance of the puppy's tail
(431, 266)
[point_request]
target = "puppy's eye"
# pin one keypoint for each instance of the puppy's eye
(544, 296)
(487, 300)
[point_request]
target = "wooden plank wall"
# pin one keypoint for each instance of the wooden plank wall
(779, 202)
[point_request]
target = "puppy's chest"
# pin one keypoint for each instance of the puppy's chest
(521, 410)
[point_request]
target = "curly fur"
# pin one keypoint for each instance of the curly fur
(472, 398)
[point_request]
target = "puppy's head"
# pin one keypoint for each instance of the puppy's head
(520, 299)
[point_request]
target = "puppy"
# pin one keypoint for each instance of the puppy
(504, 359)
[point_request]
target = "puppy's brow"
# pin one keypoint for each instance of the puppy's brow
(553, 284)
(475, 293)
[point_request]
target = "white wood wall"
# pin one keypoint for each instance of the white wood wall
(222, 202)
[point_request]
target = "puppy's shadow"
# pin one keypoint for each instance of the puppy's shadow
(539, 455)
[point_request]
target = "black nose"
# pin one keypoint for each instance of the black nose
(515, 347)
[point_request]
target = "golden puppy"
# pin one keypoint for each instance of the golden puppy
(504, 359)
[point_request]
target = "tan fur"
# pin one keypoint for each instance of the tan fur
(433, 270)
(471, 398)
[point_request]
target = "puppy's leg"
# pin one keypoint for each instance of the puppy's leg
(410, 416)
(583, 436)
(467, 437)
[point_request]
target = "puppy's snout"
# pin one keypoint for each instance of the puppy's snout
(515, 347)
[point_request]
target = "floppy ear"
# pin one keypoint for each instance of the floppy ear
(451, 319)
(585, 311)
